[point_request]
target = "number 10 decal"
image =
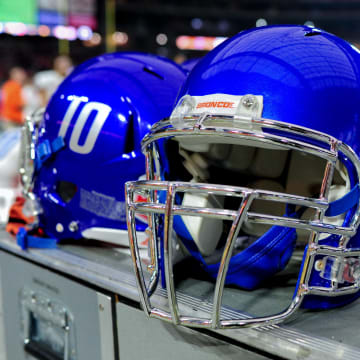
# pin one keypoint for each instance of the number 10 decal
(102, 112)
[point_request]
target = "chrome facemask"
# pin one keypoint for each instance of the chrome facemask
(29, 141)
(246, 128)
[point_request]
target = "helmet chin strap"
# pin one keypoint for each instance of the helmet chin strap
(26, 240)
(46, 149)
(345, 203)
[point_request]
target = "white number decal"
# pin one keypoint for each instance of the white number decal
(102, 110)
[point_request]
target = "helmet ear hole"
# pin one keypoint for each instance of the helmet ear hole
(152, 72)
(312, 33)
(66, 190)
(130, 136)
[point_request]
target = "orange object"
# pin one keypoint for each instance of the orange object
(17, 219)
(13, 102)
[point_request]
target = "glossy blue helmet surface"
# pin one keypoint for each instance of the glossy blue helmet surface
(307, 77)
(89, 141)
(189, 64)
(263, 91)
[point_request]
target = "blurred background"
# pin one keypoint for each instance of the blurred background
(33, 33)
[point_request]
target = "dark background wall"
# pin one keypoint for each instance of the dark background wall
(143, 20)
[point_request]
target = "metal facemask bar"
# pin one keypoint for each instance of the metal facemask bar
(29, 141)
(244, 128)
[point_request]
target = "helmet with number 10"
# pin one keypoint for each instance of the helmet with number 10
(87, 143)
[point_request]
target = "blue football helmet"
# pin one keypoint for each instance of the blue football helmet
(189, 64)
(258, 161)
(86, 144)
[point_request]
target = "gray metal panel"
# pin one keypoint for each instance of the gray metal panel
(340, 325)
(2, 332)
(332, 334)
(80, 301)
(106, 327)
(143, 338)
